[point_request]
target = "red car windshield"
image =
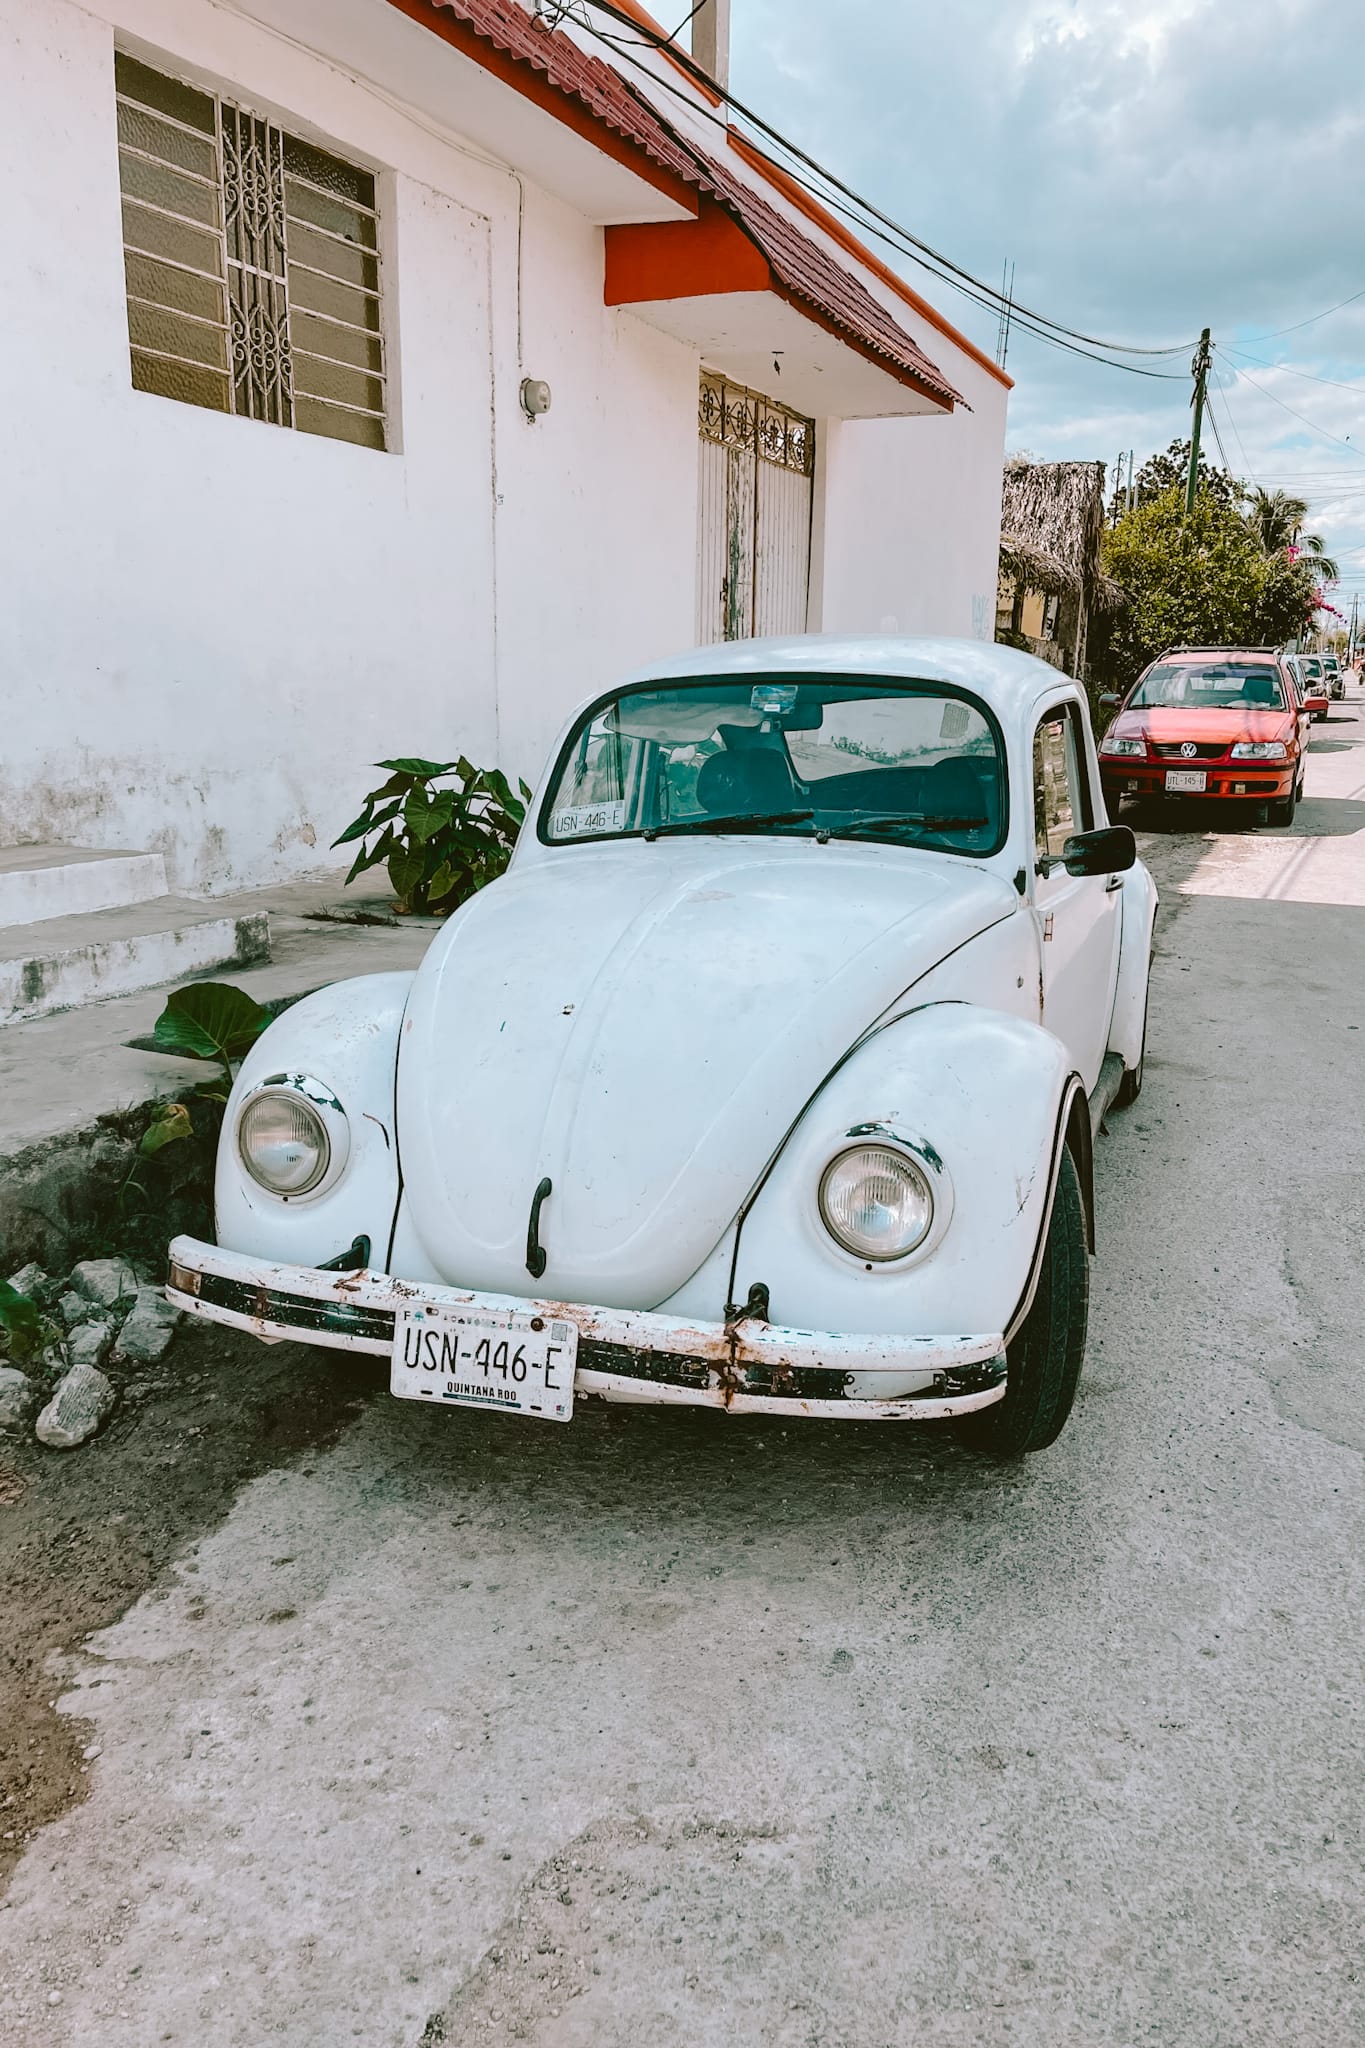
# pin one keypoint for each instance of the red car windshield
(1209, 686)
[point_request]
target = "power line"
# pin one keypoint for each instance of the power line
(1312, 321)
(1302, 417)
(1290, 371)
(921, 251)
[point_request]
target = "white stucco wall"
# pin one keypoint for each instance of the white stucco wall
(911, 537)
(212, 626)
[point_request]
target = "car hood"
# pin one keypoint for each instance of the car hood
(641, 1024)
(1167, 728)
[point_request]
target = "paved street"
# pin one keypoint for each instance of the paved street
(658, 1730)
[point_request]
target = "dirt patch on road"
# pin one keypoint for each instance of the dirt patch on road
(84, 1533)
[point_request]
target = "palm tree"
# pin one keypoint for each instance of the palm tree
(1276, 518)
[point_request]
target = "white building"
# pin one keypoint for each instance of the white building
(271, 506)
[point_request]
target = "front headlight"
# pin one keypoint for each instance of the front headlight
(1260, 750)
(1109, 745)
(875, 1202)
(283, 1142)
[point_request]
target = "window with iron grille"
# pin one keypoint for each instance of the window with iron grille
(252, 263)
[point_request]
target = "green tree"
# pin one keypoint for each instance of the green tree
(1276, 518)
(1160, 472)
(1204, 581)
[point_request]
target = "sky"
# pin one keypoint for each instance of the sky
(1150, 167)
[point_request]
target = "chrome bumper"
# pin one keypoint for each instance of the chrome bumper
(740, 1366)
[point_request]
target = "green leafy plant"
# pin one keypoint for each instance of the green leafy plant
(439, 844)
(208, 1020)
(21, 1320)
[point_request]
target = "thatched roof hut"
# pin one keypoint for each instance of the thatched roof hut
(1051, 519)
(1051, 523)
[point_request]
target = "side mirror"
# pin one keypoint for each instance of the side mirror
(1110, 701)
(1109, 850)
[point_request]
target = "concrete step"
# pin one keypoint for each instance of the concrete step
(39, 882)
(63, 962)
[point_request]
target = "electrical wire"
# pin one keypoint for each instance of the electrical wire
(1232, 422)
(1290, 371)
(1312, 321)
(906, 242)
(1312, 425)
(1213, 422)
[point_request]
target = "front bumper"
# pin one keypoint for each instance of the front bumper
(1255, 782)
(741, 1366)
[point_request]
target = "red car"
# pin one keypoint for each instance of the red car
(1209, 722)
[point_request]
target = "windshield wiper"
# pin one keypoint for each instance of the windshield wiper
(751, 821)
(922, 821)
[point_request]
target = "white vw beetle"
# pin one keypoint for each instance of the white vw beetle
(764, 1080)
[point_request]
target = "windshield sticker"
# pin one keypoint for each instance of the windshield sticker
(774, 700)
(577, 821)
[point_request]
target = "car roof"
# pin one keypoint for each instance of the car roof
(1218, 653)
(1005, 678)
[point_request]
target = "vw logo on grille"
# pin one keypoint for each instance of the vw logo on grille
(1189, 750)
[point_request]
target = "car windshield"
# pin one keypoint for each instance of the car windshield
(1209, 686)
(1312, 668)
(914, 763)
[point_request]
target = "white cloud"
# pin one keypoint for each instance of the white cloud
(1150, 168)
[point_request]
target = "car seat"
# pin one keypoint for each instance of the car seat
(735, 785)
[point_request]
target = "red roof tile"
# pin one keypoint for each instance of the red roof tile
(816, 281)
(574, 71)
(808, 273)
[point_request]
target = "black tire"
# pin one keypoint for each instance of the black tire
(1281, 812)
(1045, 1358)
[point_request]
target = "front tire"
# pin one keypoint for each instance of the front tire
(1281, 811)
(1045, 1358)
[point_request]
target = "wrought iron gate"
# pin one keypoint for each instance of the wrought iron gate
(754, 514)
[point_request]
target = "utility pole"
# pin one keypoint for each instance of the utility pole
(1199, 369)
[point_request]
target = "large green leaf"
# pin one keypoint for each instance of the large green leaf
(426, 769)
(210, 1020)
(170, 1124)
(21, 1320)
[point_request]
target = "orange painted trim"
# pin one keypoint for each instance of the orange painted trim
(651, 261)
(646, 20)
(848, 241)
(682, 259)
(563, 106)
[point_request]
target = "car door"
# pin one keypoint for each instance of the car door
(1078, 915)
(1302, 721)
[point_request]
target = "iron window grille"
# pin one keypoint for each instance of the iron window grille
(251, 260)
(738, 418)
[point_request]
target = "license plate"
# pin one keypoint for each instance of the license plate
(516, 1362)
(1186, 781)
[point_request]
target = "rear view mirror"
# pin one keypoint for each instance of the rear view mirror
(1109, 850)
(1110, 701)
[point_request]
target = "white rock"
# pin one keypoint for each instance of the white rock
(18, 1397)
(81, 1403)
(29, 1279)
(89, 1343)
(106, 1281)
(74, 1308)
(147, 1332)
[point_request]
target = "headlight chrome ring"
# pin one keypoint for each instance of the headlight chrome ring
(293, 1138)
(881, 1199)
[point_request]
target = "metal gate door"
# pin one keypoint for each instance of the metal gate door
(754, 514)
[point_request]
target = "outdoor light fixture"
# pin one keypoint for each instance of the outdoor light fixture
(535, 397)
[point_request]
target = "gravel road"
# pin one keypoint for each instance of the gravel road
(663, 1732)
